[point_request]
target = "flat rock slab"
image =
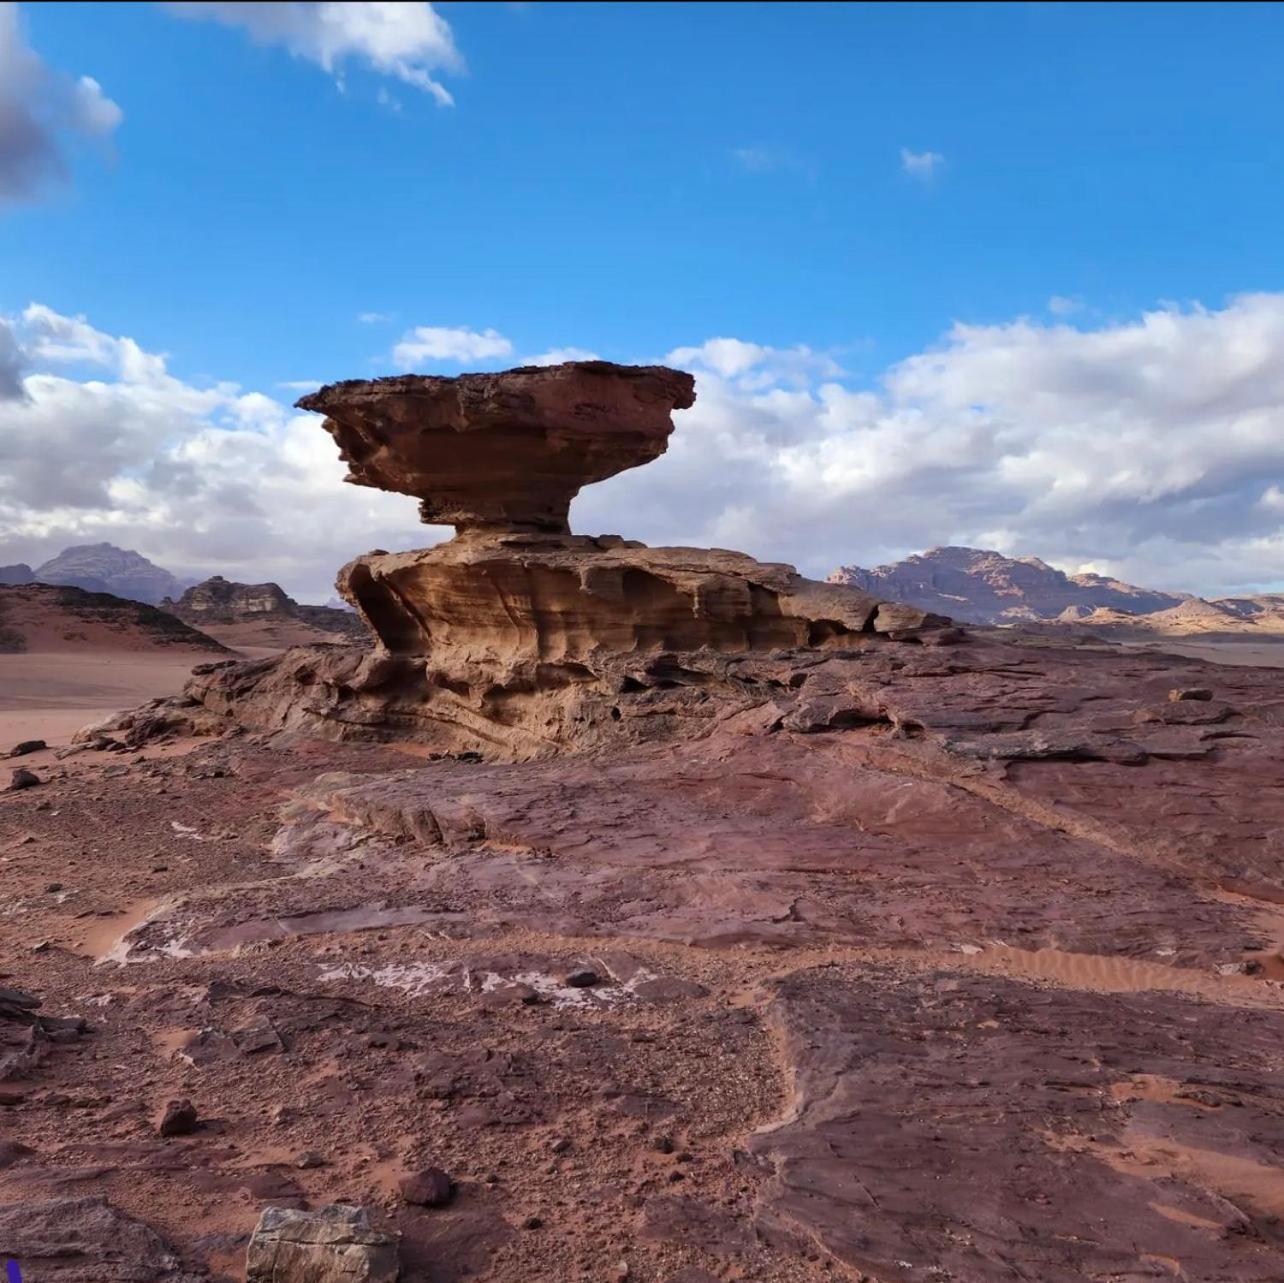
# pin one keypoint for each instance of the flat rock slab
(333, 1244)
(84, 1240)
(963, 1127)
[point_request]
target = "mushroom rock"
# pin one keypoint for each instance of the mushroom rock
(516, 638)
(501, 456)
(508, 450)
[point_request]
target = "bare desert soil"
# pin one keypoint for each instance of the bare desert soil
(51, 695)
(993, 1002)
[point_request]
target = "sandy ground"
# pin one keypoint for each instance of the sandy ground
(50, 696)
(1253, 654)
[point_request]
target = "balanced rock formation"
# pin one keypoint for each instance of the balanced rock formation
(518, 638)
(507, 450)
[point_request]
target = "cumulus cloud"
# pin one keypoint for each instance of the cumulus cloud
(560, 355)
(441, 343)
(12, 360)
(922, 165)
(406, 39)
(1152, 449)
(106, 444)
(39, 109)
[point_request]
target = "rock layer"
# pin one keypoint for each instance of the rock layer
(508, 450)
(517, 638)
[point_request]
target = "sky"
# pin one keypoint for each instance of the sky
(1001, 275)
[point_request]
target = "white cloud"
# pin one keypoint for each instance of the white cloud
(374, 318)
(12, 359)
(1154, 447)
(39, 110)
(407, 39)
(560, 355)
(1151, 449)
(203, 480)
(1059, 305)
(921, 164)
(441, 343)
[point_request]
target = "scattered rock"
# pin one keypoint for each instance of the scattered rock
(309, 1159)
(259, 1035)
(561, 1145)
(23, 779)
(85, 1240)
(13, 1151)
(179, 1119)
(430, 1187)
(333, 1244)
(27, 746)
(582, 978)
(532, 1223)
(1180, 693)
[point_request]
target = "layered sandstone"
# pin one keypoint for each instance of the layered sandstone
(517, 638)
(510, 449)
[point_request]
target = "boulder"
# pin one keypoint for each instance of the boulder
(332, 1244)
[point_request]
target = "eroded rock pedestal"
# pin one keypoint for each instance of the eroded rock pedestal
(517, 638)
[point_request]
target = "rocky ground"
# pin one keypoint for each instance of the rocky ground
(944, 963)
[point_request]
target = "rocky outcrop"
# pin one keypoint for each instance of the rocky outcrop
(220, 601)
(509, 450)
(85, 1240)
(102, 567)
(517, 638)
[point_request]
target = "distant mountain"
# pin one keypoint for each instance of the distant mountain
(20, 573)
(102, 567)
(219, 601)
(984, 587)
(55, 618)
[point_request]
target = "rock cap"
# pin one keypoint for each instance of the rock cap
(508, 450)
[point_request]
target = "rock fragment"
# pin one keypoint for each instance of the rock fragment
(23, 779)
(178, 1119)
(332, 1244)
(430, 1187)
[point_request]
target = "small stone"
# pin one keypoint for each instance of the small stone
(620, 1272)
(582, 978)
(561, 1145)
(1181, 693)
(532, 1223)
(179, 1119)
(663, 1144)
(24, 747)
(53, 888)
(431, 1187)
(23, 779)
(309, 1159)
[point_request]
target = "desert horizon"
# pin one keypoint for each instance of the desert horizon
(641, 644)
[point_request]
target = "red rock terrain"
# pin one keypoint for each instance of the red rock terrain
(740, 949)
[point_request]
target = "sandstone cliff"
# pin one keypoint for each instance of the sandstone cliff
(218, 601)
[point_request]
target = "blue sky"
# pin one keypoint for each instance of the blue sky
(635, 179)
